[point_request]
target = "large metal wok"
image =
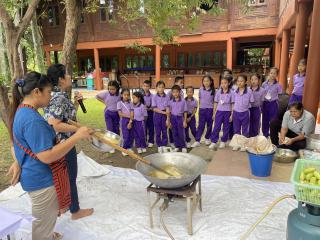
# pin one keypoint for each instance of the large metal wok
(189, 165)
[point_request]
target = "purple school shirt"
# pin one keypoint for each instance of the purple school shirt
(169, 94)
(125, 107)
(258, 96)
(110, 100)
(160, 102)
(205, 98)
(242, 103)
(191, 104)
(140, 112)
(298, 83)
(223, 100)
(147, 99)
(177, 108)
(272, 91)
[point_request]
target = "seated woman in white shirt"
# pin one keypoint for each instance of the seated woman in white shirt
(291, 132)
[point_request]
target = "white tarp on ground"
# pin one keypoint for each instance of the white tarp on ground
(230, 206)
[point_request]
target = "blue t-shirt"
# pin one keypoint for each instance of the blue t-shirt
(34, 133)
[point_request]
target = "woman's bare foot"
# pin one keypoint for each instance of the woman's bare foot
(82, 213)
(57, 236)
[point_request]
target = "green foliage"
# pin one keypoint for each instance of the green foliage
(256, 52)
(168, 18)
(138, 47)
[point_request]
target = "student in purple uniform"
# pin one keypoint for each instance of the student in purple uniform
(242, 99)
(110, 98)
(177, 81)
(140, 114)
(160, 117)
(298, 82)
(255, 110)
(192, 106)
(125, 111)
(222, 114)
(206, 97)
(178, 119)
(147, 96)
(270, 106)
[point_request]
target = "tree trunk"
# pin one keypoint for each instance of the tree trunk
(73, 11)
(37, 44)
(13, 34)
(4, 103)
(4, 65)
(13, 53)
(20, 50)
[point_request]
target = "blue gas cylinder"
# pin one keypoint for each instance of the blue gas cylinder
(304, 223)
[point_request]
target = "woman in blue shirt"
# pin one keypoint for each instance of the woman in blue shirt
(57, 113)
(38, 154)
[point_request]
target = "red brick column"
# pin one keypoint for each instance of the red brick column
(284, 61)
(312, 85)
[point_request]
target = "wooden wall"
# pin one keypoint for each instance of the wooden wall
(233, 19)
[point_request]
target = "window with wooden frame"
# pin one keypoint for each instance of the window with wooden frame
(216, 58)
(190, 60)
(128, 62)
(181, 60)
(257, 2)
(106, 10)
(114, 62)
(165, 61)
(84, 5)
(224, 58)
(207, 59)
(135, 61)
(150, 61)
(198, 60)
(53, 16)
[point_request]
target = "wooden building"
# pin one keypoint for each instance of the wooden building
(217, 43)
(284, 29)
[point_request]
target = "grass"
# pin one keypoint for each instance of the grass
(93, 118)
(5, 156)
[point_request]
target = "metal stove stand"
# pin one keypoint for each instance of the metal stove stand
(191, 193)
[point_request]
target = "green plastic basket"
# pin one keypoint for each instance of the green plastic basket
(305, 192)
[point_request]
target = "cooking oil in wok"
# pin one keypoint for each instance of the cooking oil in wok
(172, 169)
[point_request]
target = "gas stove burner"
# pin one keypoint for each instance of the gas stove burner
(191, 193)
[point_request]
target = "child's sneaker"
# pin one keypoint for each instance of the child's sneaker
(144, 150)
(212, 146)
(195, 144)
(160, 150)
(150, 145)
(139, 150)
(235, 148)
(175, 150)
(222, 145)
(188, 145)
(184, 150)
(207, 142)
(243, 149)
(112, 151)
(124, 154)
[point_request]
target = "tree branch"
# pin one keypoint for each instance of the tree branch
(5, 17)
(25, 21)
